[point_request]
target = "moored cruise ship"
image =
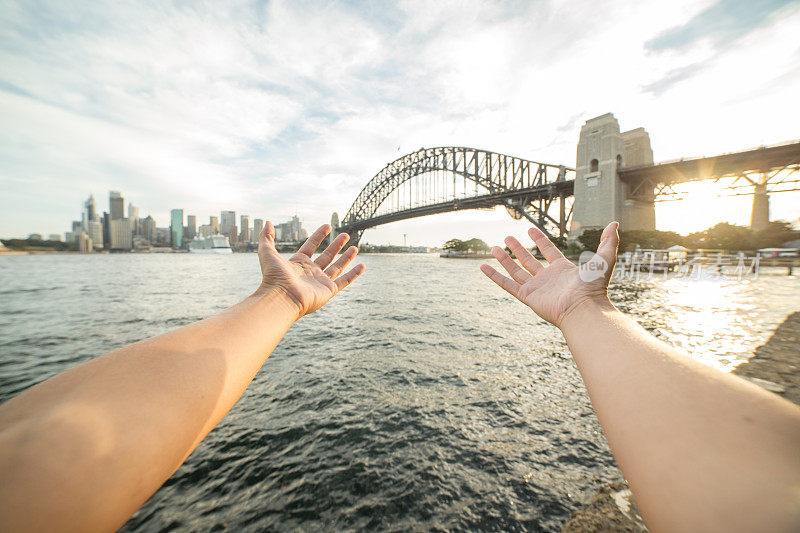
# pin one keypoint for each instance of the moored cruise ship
(214, 244)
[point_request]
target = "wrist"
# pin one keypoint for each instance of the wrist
(279, 298)
(583, 311)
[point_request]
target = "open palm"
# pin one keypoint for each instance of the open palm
(552, 291)
(302, 279)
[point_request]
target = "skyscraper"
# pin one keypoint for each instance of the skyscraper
(214, 223)
(258, 225)
(245, 225)
(176, 228)
(89, 210)
(106, 220)
(149, 229)
(94, 230)
(116, 205)
(227, 221)
(133, 216)
(121, 237)
(191, 227)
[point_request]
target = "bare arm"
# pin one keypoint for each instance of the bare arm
(85, 449)
(701, 449)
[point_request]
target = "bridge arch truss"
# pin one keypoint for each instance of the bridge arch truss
(450, 178)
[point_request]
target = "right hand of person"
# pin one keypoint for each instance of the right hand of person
(308, 284)
(556, 290)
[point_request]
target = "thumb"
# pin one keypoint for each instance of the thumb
(267, 235)
(609, 242)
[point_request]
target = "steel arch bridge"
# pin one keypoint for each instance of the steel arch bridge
(451, 178)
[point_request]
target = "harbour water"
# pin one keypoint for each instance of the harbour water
(422, 397)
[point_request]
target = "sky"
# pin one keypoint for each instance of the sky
(272, 108)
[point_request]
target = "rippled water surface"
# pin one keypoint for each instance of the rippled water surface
(421, 398)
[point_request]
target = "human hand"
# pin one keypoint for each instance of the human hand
(556, 290)
(303, 281)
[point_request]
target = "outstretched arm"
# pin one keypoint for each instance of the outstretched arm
(84, 449)
(702, 450)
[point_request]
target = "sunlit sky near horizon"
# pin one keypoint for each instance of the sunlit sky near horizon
(275, 108)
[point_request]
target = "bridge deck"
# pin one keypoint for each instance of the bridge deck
(733, 164)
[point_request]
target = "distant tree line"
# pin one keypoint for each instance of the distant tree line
(722, 236)
(32, 245)
(472, 245)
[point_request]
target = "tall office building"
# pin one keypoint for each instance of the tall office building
(89, 210)
(291, 231)
(176, 228)
(244, 236)
(214, 223)
(227, 220)
(116, 205)
(92, 224)
(121, 236)
(149, 229)
(191, 227)
(106, 220)
(94, 230)
(258, 225)
(133, 216)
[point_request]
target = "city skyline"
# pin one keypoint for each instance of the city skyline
(288, 111)
(113, 231)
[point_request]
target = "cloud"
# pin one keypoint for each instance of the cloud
(672, 78)
(722, 22)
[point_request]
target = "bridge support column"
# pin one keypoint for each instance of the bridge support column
(600, 196)
(759, 216)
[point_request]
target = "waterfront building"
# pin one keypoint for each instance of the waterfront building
(191, 227)
(121, 236)
(258, 225)
(106, 230)
(148, 227)
(77, 228)
(206, 230)
(233, 236)
(54, 237)
(227, 220)
(116, 205)
(84, 242)
(163, 236)
(176, 228)
(245, 225)
(133, 216)
(35, 237)
(94, 230)
(89, 209)
(291, 231)
(214, 223)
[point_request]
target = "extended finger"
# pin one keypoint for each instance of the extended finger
(347, 278)
(517, 272)
(313, 242)
(511, 286)
(330, 252)
(267, 236)
(530, 263)
(336, 268)
(609, 242)
(548, 249)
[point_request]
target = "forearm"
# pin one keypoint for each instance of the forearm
(702, 450)
(87, 447)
